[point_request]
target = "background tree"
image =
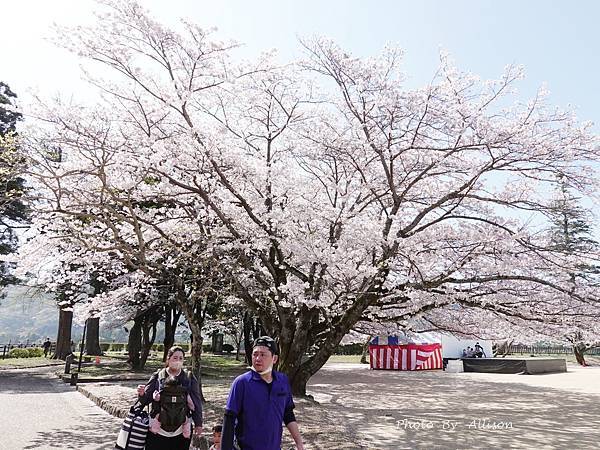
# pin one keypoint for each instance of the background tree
(135, 227)
(172, 316)
(9, 114)
(572, 234)
(13, 211)
(68, 294)
(232, 322)
(99, 283)
(572, 231)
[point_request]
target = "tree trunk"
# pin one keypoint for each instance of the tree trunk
(142, 336)
(196, 352)
(134, 344)
(195, 315)
(248, 337)
(579, 350)
(294, 364)
(502, 348)
(172, 316)
(299, 381)
(148, 336)
(296, 339)
(92, 337)
(298, 372)
(252, 329)
(238, 342)
(63, 339)
(365, 352)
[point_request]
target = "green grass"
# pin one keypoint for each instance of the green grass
(213, 366)
(344, 359)
(28, 362)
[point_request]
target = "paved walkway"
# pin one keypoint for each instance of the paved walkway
(39, 412)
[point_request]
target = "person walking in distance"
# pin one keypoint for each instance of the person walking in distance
(46, 346)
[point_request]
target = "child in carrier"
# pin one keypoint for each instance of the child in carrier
(170, 408)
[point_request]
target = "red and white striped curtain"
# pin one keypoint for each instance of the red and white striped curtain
(406, 357)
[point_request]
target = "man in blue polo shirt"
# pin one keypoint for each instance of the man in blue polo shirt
(259, 402)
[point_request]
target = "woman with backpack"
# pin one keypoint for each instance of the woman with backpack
(175, 396)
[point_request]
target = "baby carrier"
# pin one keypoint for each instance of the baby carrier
(173, 402)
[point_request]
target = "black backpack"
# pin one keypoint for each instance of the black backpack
(173, 402)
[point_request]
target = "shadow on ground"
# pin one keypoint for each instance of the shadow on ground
(30, 381)
(40, 412)
(437, 410)
(92, 430)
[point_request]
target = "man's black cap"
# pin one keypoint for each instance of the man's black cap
(267, 341)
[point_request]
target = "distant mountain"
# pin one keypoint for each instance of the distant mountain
(28, 315)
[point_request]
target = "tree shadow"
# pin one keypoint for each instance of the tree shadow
(18, 381)
(398, 410)
(90, 433)
(41, 412)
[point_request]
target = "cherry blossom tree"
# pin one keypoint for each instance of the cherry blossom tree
(65, 269)
(321, 193)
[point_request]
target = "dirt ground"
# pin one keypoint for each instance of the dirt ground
(357, 408)
(435, 409)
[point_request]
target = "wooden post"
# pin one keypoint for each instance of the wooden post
(81, 348)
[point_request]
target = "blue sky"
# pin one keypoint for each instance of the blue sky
(558, 42)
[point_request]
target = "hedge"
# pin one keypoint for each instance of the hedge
(120, 347)
(18, 353)
(349, 349)
(228, 348)
(35, 352)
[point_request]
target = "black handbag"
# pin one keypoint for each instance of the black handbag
(134, 430)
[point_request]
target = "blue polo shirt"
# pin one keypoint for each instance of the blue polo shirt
(260, 408)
